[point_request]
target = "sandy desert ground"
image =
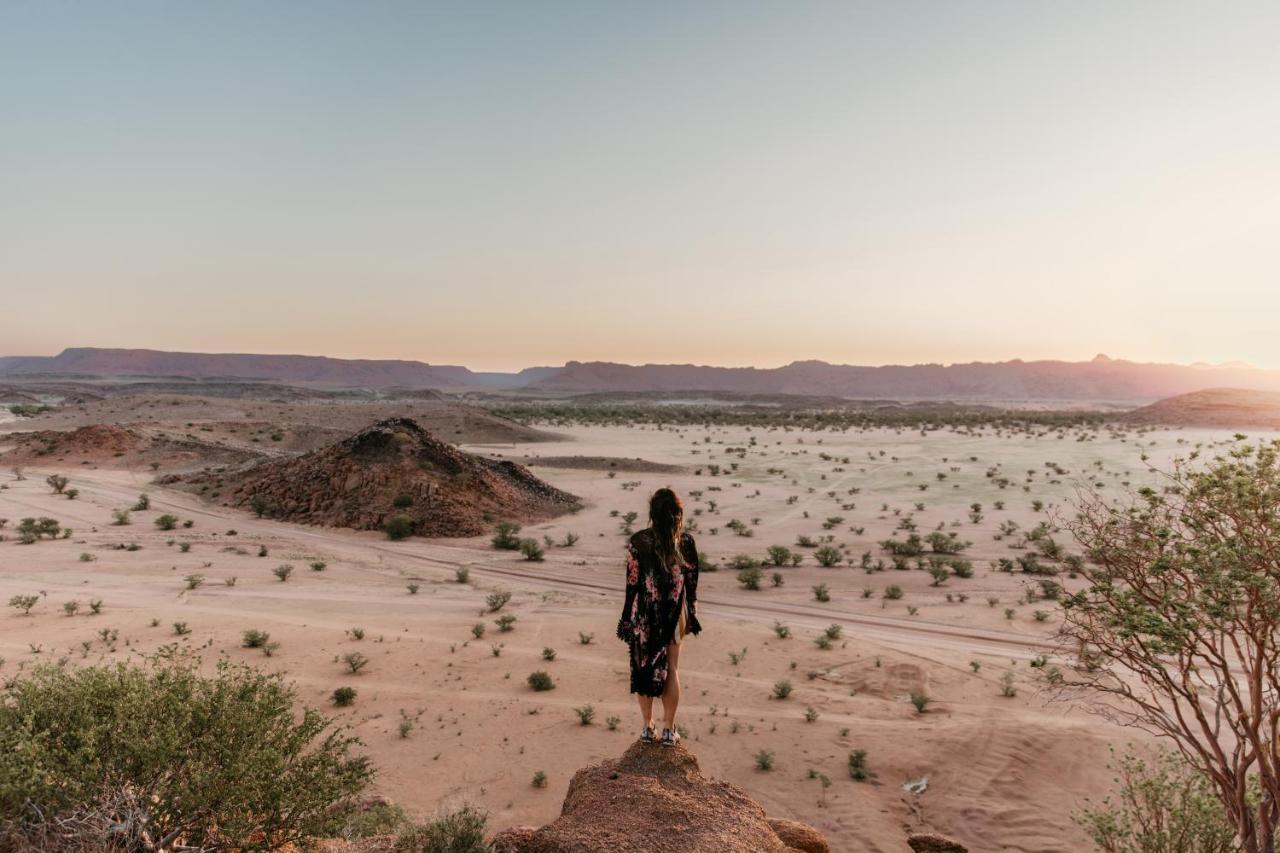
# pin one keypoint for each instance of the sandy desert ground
(1004, 773)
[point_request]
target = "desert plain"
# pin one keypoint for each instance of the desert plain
(442, 703)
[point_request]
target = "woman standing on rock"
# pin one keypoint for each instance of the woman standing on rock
(661, 608)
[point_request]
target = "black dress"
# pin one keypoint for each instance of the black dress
(651, 612)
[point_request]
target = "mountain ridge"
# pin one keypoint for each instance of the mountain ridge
(1099, 379)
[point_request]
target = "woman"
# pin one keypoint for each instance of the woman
(661, 608)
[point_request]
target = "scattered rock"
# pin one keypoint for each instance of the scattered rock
(917, 786)
(929, 843)
(799, 836)
(656, 800)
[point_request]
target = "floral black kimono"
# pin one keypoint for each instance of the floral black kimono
(651, 614)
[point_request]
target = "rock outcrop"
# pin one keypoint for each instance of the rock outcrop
(655, 800)
(393, 468)
(929, 843)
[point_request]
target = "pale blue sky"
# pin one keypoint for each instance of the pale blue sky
(505, 184)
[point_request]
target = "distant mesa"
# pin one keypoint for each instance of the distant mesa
(655, 799)
(392, 468)
(1223, 408)
(1102, 379)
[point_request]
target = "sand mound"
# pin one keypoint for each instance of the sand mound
(1214, 407)
(392, 468)
(655, 799)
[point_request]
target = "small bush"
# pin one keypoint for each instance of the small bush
(462, 831)
(540, 779)
(532, 550)
(821, 593)
(858, 765)
(893, 592)
(496, 600)
(398, 527)
(764, 760)
(541, 681)
(282, 571)
(781, 689)
(254, 639)
(344, 696)
(750, 577)
(548, 653)
(167, 521)
(505, 537)
(355, 661)
(920, 701)
(585, 714)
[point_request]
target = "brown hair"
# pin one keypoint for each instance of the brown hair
(666, 520)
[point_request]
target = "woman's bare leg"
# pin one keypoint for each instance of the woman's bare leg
(646, 709)
(671, 693)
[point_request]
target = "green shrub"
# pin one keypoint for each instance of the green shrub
(90, 740)
(532, 550)
(750, 577)
(1165, 805)
(254, 639)
(858, 765)
(505, 537)
(781, 689)
(827, 556)
(398, 527)
(344, 696)
(167, 521)
(541, 681)
(457, 832)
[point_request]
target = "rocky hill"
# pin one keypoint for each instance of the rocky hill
(1216, 407)
(392, 468)
(655, 799)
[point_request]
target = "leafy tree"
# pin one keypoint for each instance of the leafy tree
(1178, 630)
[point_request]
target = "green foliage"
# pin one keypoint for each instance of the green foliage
(461, 831)
(827, 556)
(750, 577)
(532, 550)
(779, 555)
(781, 689)
(506, 536)
(858, 765)
(1160, 807)
(24, 603)
(167, 521)
(344, 696)
(541, 681)
(821, 593)
(398, 527)
(254, 639)
(764, 760)
(93, 738)
(495, 601)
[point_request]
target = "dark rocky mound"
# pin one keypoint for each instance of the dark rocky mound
(656, 800)
(393, 468)
(93, 441)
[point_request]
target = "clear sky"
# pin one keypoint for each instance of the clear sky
(501, 184)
